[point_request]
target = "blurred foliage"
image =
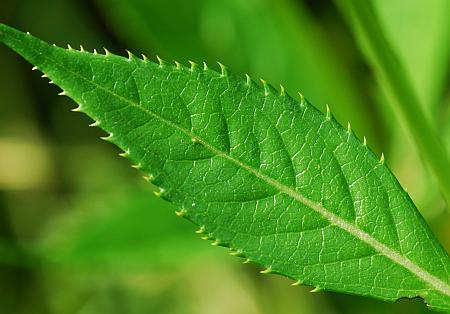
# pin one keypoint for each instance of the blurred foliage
(128, 231)
(426, 62)
(420, 34)
(79, 229)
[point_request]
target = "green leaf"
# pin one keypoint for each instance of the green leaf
(245, 35)
(272, 178)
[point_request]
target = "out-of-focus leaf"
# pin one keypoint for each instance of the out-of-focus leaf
(15, 170)
(419, 31)
(445, 120)
(129, 231)
(395, 81)
(276, 40)
(65, 21)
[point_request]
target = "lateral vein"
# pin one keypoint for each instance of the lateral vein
(383, 249)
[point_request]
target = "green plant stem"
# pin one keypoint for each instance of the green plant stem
(387, 65)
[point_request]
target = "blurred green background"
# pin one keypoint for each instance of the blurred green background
(81, 232)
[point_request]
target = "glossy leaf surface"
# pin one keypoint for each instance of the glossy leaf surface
(274, 179)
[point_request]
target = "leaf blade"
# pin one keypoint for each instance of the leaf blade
(270, 177)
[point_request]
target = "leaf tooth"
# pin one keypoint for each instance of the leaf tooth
(248, 79)
(138, 166)
(349, 131)
(95, 52)
(178, 65)
(216, 242)
(63, 93)
(316, 289)
(193, 65)
(82, 49)
(328, 113)
(107, 138)
(206, 237)
(69, 47)
(266, 89)
(266, 271)
(180, 213)
(159, 193)
(364, 141)
(223, 70)
(51, 82)
(149, 178)
(44, 75)
(246, 261)
(107, 53)
(28, 33)
(125, 153)
(34, 68)
(54, 45)
(78, 109)
(205, 66)
(201, 230)
(237, 253)
(160, 61)
(95, 123)
(282, 90)
(302, 99)
(297, 283)
(382, 159)
(144, 57)
(131, 56)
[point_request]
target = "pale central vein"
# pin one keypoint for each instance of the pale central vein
(385, 250)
